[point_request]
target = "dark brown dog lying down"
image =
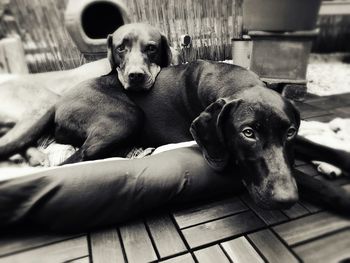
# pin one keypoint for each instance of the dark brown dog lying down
(228, 110)
(137, 51)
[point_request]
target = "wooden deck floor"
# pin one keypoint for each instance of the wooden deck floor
(230, 229)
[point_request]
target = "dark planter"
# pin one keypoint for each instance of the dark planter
(281, 55)
(280, 15)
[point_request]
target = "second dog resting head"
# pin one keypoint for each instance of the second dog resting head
(137, 52)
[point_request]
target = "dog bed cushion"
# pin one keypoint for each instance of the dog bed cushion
(86, 195)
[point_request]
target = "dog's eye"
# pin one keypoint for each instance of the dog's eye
(249, 133)
(151, 48)
(121, 48)
(291, 132)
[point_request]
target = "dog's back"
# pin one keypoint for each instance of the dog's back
(179, 95)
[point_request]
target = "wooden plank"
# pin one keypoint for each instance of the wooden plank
(271, 247)
(343, 112)
(298, 162)
(211, 254)
(311, 207)
(268, 216)
(346, 188)
(308, 169)
(137, 244)
(240, 250)
(12, 57)
(57, 252)
(223, 228)
(329, 102)
(80, 260)
(296, 211)
(323, 118)
(165, 236)
(308, 111)
(187, 258)
(24, 240)
(106, 246)
(335, 8)
(312, 226)
(333, 248)
(204, 213)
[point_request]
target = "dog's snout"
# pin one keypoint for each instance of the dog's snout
(136, 77)
(285, 200)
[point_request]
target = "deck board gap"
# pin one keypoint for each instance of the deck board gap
(255, 247)
(285, 244)
(122, 245)
(152, 239)
(224, 251)
(218, 218)
(88, 238)
(322, 236)
(42, 245)
(180, 232)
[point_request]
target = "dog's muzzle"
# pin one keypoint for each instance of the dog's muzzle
(137, 78)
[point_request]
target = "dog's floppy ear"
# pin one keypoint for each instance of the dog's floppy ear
(110, 52)
(166, 54)
(207, 130)
(296, 113)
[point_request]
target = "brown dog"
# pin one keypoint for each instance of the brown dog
(137, 54)
(137, 51)
(237, 121)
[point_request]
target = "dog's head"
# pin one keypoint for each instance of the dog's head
(255, 136)
(137, 52)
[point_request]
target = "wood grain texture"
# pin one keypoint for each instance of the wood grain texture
(137, 243)
(308, 111)
(222, 228)
(311, 207)
(328, 102)
(323, 118)
(343, 112)
(333, 248)
(57, 252)
(270, 217)
(165, 235)
(24, 240)
(241, 251)
(105, 246)
(187, 258)
(80, 260)
(296, 211)
(298, 162)
(308, 169)
(271, 247)
(204, 213)
(312, 226)
(211, 254)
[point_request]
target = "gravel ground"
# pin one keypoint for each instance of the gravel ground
(328, 74)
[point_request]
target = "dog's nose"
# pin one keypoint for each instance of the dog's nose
(285, 199)
(136, 77)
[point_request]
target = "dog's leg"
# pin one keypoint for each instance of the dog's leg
(323, 193)
(309, 150)
(105, 140)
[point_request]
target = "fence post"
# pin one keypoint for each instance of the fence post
(12, 58)
(237, 17)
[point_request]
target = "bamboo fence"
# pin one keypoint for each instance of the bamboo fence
(211, 24)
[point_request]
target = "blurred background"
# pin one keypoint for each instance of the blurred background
(212, 25)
